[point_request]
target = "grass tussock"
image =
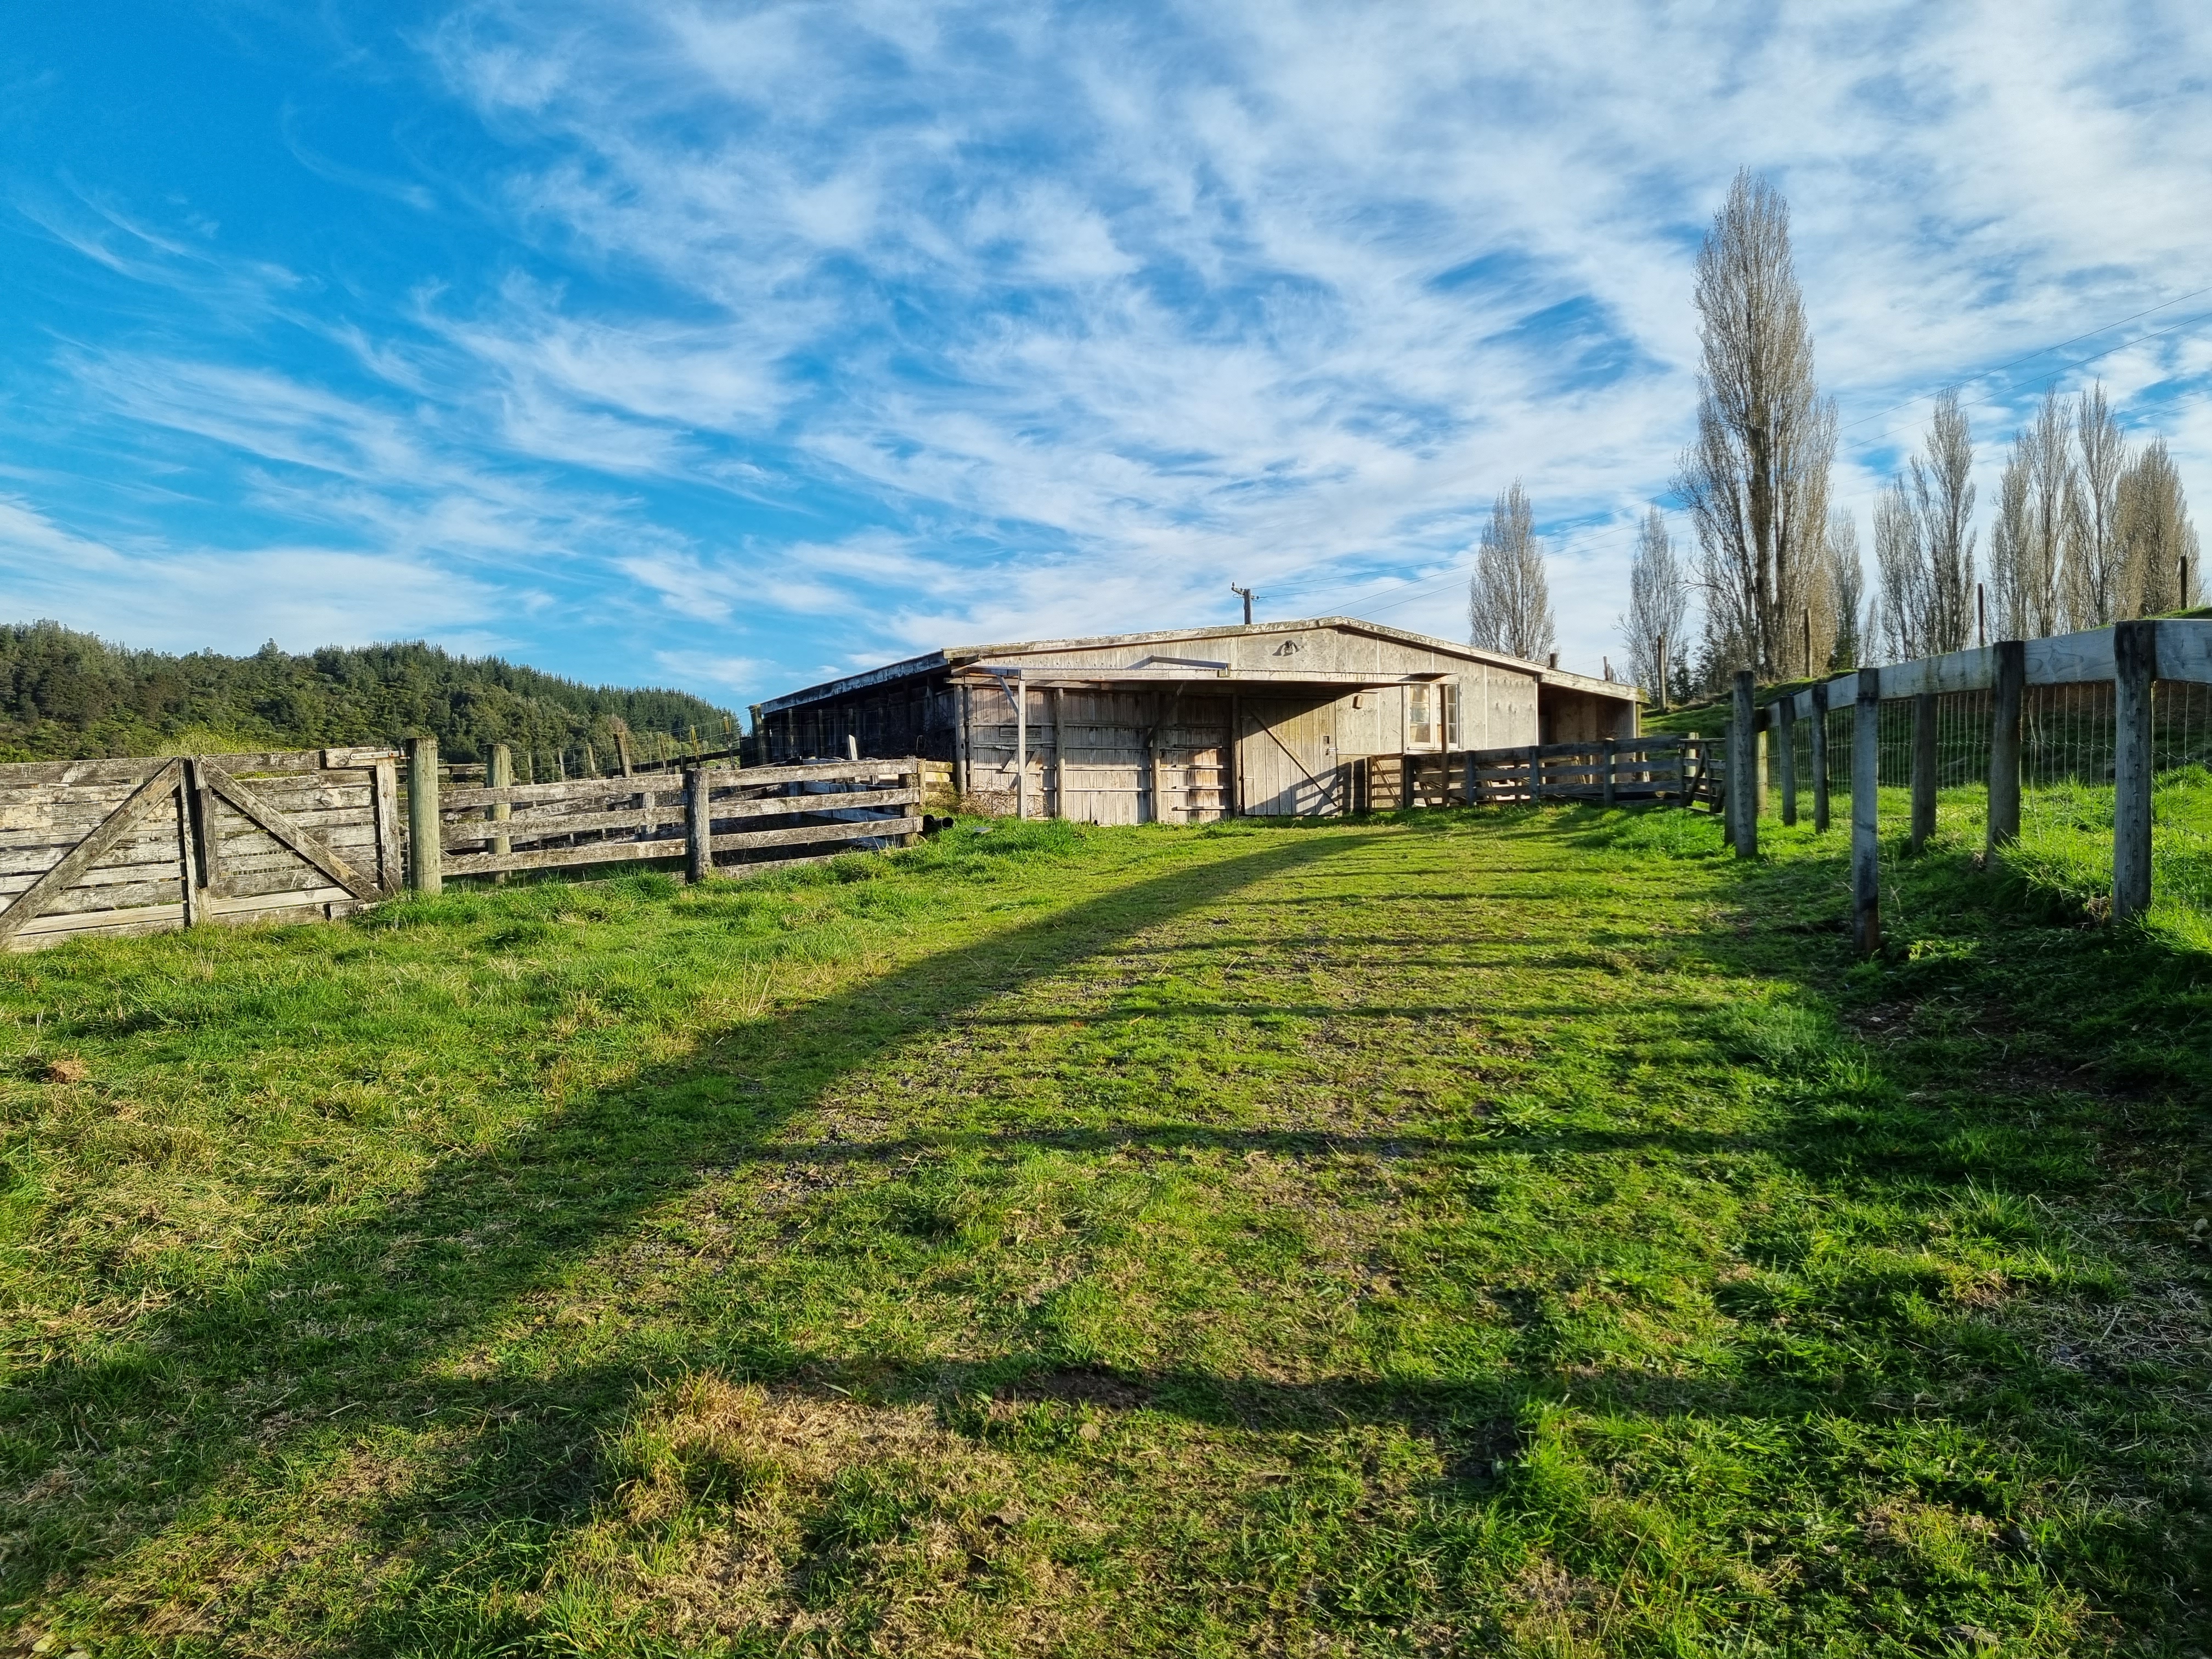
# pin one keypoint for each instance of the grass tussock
(1526, 1232)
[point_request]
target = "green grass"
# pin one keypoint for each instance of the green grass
(1523, 1232)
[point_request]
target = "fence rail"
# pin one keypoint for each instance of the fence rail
(1607, 770)
(2116, 708)
(138, 846)
(716, 819)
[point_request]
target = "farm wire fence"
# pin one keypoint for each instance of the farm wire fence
(2112, 802)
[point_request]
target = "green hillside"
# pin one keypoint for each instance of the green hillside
(68, 695)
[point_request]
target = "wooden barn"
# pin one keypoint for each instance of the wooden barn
(1295, 718)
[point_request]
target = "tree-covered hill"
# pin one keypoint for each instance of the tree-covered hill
(69, 696)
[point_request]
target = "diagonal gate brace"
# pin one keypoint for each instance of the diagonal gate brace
(298, 837)
(161, 788)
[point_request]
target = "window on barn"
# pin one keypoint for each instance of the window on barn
(1422, 711)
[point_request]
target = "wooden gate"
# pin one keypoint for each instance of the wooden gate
(114, 847)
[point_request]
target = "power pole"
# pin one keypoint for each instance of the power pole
(1247, 592)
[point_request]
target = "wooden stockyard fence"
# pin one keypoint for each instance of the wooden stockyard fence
(104, 847)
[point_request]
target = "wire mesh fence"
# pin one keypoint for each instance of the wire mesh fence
(2068, 750)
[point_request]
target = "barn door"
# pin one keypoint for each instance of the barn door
(1286, 756)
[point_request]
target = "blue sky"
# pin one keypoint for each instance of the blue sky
(734, 346)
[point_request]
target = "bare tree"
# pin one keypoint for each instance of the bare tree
(1847, 581)
(2036, 508)
(1943, 500)
(1924, 543)
(2094, 569)
(1756, 479)
(1658, 603)
(2012, 543)
(2158, 544)
(1509, 604)
(1900, 559)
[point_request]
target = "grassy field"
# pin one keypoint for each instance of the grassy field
(1524, 1232)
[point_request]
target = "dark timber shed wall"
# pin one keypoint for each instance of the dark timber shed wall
(1195, 724)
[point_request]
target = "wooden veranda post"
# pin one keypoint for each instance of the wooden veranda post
(1059, 758)
(1785, 739)
(1821, 758)
(2004, 745)
(1866, 816)
(698, 829)
(2135, 666)
(961, 782)
(1923, 769)
(499, 774)
(1020, 694)
(425, 855)
(1743, 779)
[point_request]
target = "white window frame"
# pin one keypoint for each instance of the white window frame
(1430, 692)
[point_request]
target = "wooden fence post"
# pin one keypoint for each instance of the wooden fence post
(1022, 750)
(384, 795)
(1610, 762)
(188, 837)
(500, 774)
(1059, 758)
(1470, 777)
(1866, 816)
(2135, 666)
(425, 853)
(962, 783)
(698, 827)
(1536, 777)
(1924, 770)
(2004, 746)
(1785, 739)
(1743, 769)
(1821, 758)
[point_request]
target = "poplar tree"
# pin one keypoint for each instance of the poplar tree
(2158, 544)
(2095, 585)
(1924, 543)
(1658, 603)
(1508, 603)
(1756, 479)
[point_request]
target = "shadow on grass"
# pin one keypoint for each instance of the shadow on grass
(344, 1324)
(487, 1232)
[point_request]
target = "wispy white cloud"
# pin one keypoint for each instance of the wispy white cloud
(822, 334)
(191, 599)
